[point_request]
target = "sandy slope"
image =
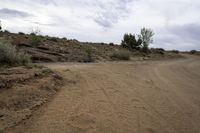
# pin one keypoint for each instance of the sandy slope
(125, 97)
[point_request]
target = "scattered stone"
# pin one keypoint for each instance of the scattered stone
(67, 70)
(37, 74)
(56, 76)
(1, 115)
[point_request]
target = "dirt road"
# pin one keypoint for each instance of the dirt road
(123, 97)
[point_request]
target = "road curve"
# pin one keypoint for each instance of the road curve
(122, 97)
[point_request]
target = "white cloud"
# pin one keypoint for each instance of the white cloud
(175, 22)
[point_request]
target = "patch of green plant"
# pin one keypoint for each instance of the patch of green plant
(88, 54)
(120, 55)
(131, 42)
(21, 33)
(160, 51)
(35, 40)
(10, 56)
(53, 39)
(175, 51)
(111, 44)
(23, 58)
(193, 52)
(47, 71)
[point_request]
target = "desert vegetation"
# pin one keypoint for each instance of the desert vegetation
(130, 42)
(195, 52)
(120, 55)
(25, 86)
(138, 42)
(10, 56)
(88, 57)
(99, 66)
(40, 48)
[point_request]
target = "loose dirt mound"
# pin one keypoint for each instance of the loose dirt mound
(22, 90)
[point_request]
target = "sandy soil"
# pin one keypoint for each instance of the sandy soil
(123, 97)
(22, 91)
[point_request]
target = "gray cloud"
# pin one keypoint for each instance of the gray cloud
(187, 32)
(111, 12)
(180, 37)
(175, 22)
(106, 19)
(9, 13)
(44, 24)
(45, 2)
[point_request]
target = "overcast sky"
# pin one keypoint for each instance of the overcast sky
(176, 23)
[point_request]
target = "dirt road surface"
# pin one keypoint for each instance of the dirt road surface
(122, 97)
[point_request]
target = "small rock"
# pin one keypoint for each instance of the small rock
(67, 70)
(36, 74)
(57, 76)
(1, 115)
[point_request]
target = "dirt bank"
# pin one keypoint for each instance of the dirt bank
(22, 91)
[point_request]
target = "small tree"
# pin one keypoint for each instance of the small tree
(146, 37)
(129, 41)
(193, 51)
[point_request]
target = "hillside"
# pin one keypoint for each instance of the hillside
(25, 86)
(52, 49)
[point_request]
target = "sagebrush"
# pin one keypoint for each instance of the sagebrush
(35, 40)
(120, 55)
(88, 54)
(10, 56)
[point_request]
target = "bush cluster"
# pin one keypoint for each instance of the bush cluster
(129, 41)
(120, 55)
(35, 40)
(175, 51)
(88, 54)
(141, 42)
(10, 56)
(157, 51)
(53, 39)
(193, 52)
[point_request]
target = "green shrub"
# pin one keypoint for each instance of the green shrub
(175, 51)
(111, 44)
(47, 71)
(9, 55)
(53, 39)
(120, 55)
(23, 58)
(131, 42)
(193, 51)
(6, 31)
(35, 40)
(157, 51)
(21, 33)
(64, 38)
(88, 54)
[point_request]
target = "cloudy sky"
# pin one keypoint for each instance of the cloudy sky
(176, 23)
